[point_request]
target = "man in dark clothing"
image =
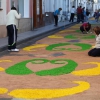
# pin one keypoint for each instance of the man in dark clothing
(83, 15)
(73, 11)
(56, 13)
(87, 15)
(79, 14)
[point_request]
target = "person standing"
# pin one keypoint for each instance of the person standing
(56, 13)
(79, 14)
(73, 11)
(12, 26)
(87, 15)
(95, 52)
(97, 15)
(83, 15)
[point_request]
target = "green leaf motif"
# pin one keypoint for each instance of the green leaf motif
(21, 69)
(56, 47)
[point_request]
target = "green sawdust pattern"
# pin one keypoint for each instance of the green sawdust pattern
(55, 47)
(21, 69)
(89, 37)
(78, 31)
(70, 37)
(67, 68)
(80, 36)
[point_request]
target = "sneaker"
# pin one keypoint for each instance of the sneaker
(14, 50)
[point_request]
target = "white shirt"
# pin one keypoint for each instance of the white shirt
(12, 18)
(97, 45)
(73, 10)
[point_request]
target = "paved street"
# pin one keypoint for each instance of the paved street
(56, 67)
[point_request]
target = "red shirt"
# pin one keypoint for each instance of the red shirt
(85, 25)
(79, 10)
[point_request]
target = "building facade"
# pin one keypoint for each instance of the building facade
(24, 7)
(38, 13)
(2, 18)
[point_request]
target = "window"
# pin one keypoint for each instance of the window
(22, 7)
(19, 4)
(14, 3)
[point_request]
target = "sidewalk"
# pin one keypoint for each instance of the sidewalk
(22, 37)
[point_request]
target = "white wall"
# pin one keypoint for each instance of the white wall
(3, 13)
(52, 5)
(47, 5)
(66, 5)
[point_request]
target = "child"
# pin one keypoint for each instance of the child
(85, 27)
(96, 51)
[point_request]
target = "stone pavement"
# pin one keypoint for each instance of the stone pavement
(22, 37)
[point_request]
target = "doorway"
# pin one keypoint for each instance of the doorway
(37, 14)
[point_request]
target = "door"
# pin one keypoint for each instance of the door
(37, 14)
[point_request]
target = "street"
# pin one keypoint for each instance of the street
(56, 67)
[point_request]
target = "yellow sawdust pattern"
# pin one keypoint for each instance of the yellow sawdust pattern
(3, 90)
(31, 48)
(1, 69)
(89, 72)
(55, 36)
(49, 93)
